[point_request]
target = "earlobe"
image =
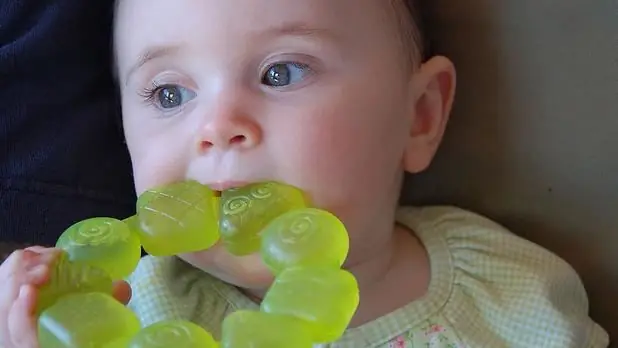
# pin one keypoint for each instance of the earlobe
(434, 88)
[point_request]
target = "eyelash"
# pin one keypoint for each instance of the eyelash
(149, 93)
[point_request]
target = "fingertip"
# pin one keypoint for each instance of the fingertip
(25, 258)
(23, 291)
(36, 248)
(39, 275)
(122, 292)
(21, 319)
(34, 256)
(27, 297)
(40, 250)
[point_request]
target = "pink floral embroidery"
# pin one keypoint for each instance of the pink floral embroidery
(398, 342)
(431, 334)
(434, 330)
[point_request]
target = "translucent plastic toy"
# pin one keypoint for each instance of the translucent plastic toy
(70, 278)
(104, 243)
(326, 298)
(86, 320)
(262, 330)
(247, 210)
(178, 333)
(305, 237)
(311, 301)
(176, 219)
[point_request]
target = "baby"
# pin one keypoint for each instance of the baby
(334, 97)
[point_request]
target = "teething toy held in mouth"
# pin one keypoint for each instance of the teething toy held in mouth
(311, 301)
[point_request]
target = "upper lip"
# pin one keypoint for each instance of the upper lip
(226, 185)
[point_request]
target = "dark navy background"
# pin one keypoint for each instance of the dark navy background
(62, 156)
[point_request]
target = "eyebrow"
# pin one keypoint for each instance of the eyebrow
(150, 54)
(298, 29)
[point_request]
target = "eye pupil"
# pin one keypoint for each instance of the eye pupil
(170, 97)
(278, 75)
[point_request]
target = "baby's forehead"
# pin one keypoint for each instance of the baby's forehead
(216, 21)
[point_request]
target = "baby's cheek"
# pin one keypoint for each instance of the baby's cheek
(246, 271)
(158, 149)
(327, 164)
(347, 161)
(157, 166)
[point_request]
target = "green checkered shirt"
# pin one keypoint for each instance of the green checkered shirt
(489, 288)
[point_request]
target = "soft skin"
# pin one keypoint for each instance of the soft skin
(319, 94)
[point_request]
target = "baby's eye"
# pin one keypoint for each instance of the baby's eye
(283, 74)
(172, 96)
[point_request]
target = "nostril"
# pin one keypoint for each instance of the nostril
(238, 139)
(205, 145)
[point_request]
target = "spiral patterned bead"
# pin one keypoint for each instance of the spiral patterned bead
(311, 301)
(170, 332)
(304, 237)
(236, 205)
(97, 231)
(104, 243)
(173, 333)
(300, 228)
(247, 210)
(262, 191)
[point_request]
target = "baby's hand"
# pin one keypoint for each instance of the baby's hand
(20, 276)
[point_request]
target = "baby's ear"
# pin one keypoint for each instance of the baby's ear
(433, 90)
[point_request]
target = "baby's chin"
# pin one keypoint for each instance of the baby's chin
(248, 272)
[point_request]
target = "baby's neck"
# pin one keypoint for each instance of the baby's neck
(391, 278)
(393, 275)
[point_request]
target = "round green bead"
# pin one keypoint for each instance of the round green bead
(173, 333)
(86, 320)
(245, 211)
(326, 298)
(122, 342)
(179, 218)
(68, 277)
(305, 237)
(105, 243)
(249, 329)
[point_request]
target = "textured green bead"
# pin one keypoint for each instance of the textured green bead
(105, 243)
(305, 237)
(86, 320)
(178, 218)
(69, 277)
(327, 298)
(245, 211)
(122, 342)
(176, 333)
(248, 329)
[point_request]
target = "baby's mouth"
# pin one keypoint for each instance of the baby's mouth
(233, 213)
(226, 185)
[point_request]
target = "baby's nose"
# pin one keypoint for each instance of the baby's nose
(229, 133)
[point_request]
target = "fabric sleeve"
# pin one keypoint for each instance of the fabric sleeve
(509, 291)
(165, 288)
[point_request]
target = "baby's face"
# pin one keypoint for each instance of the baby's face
(307, 92)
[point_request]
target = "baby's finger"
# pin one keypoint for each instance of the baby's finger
(21, 320)
(17, 263)
(7, 298)
(122, 292)
(10, 293)
(20, 262)
(10, 270)
(45, 255)
(38, 275)
(37, 248)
